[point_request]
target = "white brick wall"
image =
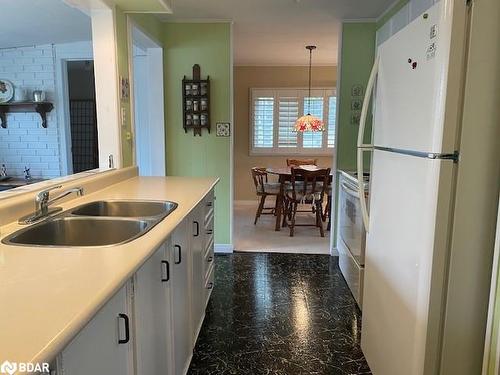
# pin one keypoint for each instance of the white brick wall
(25, 142)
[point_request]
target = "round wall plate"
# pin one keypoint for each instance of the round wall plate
(6, 91)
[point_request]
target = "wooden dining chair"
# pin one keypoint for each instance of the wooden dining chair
(307, 187)
(327, 213)
(299, 162)
(263, 189)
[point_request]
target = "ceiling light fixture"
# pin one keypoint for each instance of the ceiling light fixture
(309, 123)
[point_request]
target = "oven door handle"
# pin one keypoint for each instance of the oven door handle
(349, 191)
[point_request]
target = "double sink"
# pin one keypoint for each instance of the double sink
(99, 223)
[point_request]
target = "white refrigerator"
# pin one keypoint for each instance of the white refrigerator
(417, 85)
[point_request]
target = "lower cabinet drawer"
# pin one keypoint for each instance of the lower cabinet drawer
(208, 259)
(209, 283)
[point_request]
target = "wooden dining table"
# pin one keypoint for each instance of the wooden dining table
(285, 174)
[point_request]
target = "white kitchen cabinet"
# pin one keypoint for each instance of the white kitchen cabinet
(197, 251)
(152, 304)
(104, 346)
(208, 246)
(151, 325)
(181, 298)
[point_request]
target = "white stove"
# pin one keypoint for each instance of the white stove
(351, 234)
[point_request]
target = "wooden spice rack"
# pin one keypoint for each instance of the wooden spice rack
(196, 102)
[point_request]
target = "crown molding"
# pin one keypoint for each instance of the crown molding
(197, 20)
(359, 20)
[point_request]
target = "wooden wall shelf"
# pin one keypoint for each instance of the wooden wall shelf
(196, 102)
(42, 108)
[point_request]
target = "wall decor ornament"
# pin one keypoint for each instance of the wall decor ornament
(356, 104)
(223, 129)
(357, 90)
(124, 88)
(355, 117)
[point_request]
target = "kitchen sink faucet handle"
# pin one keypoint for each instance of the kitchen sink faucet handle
(43, 197)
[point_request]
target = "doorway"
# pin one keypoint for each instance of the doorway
(146, 60)
(83, 116)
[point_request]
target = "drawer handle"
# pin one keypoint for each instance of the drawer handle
(179, 259)
(167, 271)
(210, 259)
(127, 328)
(210, 285)
(197, 228)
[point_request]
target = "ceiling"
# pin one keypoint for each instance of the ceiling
(32, 22)
(275, 32)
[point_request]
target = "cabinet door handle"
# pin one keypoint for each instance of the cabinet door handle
(210, 231)
(179, 260)
(167, 271)
(210, 285)
(210, 258)
(127, 329)
(197, 228)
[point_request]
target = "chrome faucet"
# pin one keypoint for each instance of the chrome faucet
(43, 201)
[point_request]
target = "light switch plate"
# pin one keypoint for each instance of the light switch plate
(223, 129)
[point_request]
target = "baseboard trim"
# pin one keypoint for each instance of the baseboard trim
(223, 248)
(252, 202)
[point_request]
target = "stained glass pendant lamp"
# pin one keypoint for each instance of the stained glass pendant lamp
(309, 123)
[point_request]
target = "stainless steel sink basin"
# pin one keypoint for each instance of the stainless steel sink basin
(99, 223)
(124, 208)
(79, 231)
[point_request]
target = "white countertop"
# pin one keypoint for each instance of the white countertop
(48, 294)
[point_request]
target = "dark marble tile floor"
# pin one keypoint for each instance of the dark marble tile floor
(281, 314)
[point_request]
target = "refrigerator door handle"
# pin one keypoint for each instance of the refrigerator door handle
(365, 147)
(349, 190)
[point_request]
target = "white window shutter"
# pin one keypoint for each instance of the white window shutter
(332, 119)
(263, 121)
(288, 114)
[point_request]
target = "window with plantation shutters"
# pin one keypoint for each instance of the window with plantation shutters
(273, 114)
(263, 121)
(287, 115)
(332, 119)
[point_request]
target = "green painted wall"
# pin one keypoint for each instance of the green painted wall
(185, 45)
(356, 60)
(208, 45)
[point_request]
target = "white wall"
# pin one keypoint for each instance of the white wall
(25, 142)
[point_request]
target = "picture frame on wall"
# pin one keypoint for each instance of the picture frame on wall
(356, 104)
(355, 118)
(357, 90)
